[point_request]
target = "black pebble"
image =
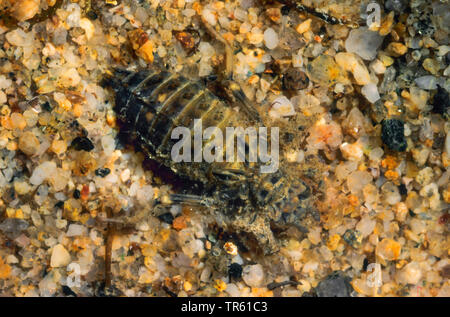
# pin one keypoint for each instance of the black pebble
(235, 270)
(82, 144)
(167, 218)
(76, 194)
(334, 285)
(285, 10)
(91, 15)
(67, 291)
(441, 101)
(46, 106)
(402, 189)
(59, 204)
(392, 134)
(102, 172)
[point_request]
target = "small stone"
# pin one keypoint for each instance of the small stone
(270, 38)
(25, 9)
(18, 122)
(392, 134)
(391, 194)
(325, 71)
(295, 79)
(102, 172)
(281, 107)
(42, 172)
(353, 237)
(426, 82)
(304, 26)
(334, 285)
(209, 16)
(253, 275)
(410, 274)
(76, 230)
(82, 144)
(235, 270)
(388, 249)
(166, 217)
(352, 63)
(29, 143)
(60, 256)
(363, 42)
(397, 49)
(70, 78)
(370, 91)
(377, 66)
(431, 65)
(441, 102)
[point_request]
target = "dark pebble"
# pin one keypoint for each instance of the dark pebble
(352, 237)
(91, 15)
(392, 134)
(441, 101)
(76, 194)
(67, 291)
(402, 189)
(334, 285)
(82, 144)
(285, 10)
(59, 204)
(102, 172)
(295, 80)
(167, 218)
(235, 270)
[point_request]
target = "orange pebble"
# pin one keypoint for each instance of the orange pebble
(180, 222)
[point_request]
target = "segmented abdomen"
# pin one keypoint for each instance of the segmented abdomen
(152, 104)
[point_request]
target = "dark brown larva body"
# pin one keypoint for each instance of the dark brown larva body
(151, 104)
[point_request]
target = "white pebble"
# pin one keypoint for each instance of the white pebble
(426, 82)
(363, 42)
(76, 230)
(42, 172)
(270, 38)
(281, 107)
(370, 91)
(209, 16)
(60, 256)
(253, 275)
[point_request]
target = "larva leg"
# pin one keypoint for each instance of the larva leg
(234, 91)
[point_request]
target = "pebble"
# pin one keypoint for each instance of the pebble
(42, 172)
(441, 101)
(363, 42)
(397, 49)
(76, 230)
(392, 134)
(388, 249)
(370, 91)
(410, 274)
(60, 256)
(281, 107)
(304, 26)
(325, 71)
(334, 285)
(377, 67)
(253, 275)
(352, 63)
(82, 144)
(270, 38)
(29, 143)
(426, 82)
(235, 270)
(25, 9)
